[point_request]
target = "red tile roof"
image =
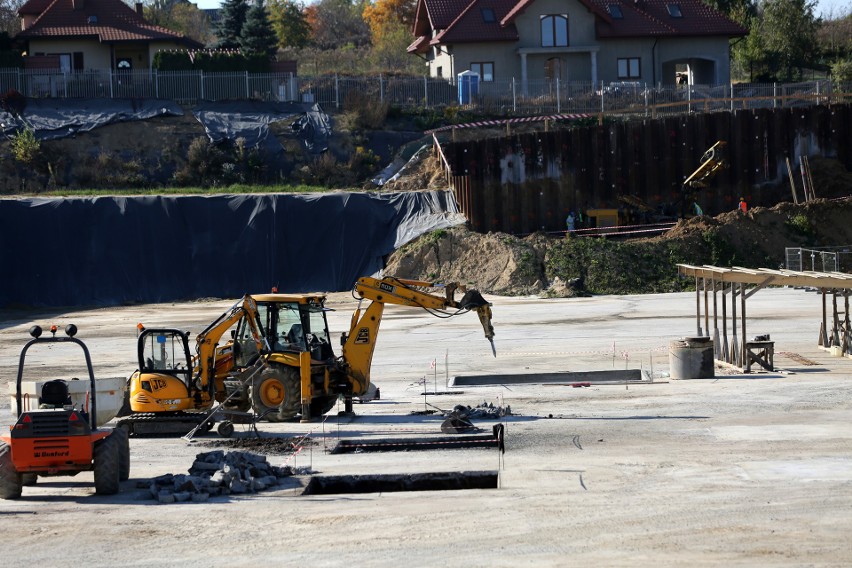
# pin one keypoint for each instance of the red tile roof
(419, 45)
(470, 25)
(521, 6)
(461, 21)
(105, 20)
(651, 18)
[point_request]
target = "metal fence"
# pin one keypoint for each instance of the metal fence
(827, 259)
(500, 97)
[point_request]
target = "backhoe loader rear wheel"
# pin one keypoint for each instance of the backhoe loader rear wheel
(10, 480)
(107, 458)
(277, 387)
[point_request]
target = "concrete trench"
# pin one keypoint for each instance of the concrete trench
(389, 483)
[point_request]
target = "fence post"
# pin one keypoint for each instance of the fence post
(731, 92)
(201, 74)
(514, 97)
(558, 102)
(156, 84)
(381, 89)
(689, 97)
(18, 81)
(110, 83)
(646, 98)
(775, 94)
(602, 98)
(248, 90)
(336, 91)
(425, 92)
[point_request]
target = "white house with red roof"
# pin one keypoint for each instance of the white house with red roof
(643, 41)
(94, 34)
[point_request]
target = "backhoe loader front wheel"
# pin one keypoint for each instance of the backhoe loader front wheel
(276, 388)
(10, 480)
(107, 465)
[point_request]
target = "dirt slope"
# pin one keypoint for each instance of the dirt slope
(542, 264)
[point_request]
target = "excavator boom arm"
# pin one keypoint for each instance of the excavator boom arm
(208, 339)
(361, 340)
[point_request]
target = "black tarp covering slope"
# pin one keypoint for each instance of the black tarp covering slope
(114, 250)
(58, 118)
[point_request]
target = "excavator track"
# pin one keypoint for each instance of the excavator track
(152, 424)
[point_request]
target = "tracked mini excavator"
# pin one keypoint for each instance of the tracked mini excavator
(279, 362)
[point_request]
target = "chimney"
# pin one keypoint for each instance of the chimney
(139, 10)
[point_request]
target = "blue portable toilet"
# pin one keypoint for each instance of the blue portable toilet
(468, 86)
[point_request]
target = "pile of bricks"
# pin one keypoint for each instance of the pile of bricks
(216, 473)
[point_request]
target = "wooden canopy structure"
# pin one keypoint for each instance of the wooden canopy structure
(743, 283)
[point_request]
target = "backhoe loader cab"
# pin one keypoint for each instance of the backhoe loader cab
(53, 437)
(293, 324)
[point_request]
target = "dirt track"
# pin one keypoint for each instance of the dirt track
(737, 470)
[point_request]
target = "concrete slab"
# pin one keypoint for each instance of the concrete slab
(736, 470)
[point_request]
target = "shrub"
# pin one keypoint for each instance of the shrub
(366, 111)
(25, 146)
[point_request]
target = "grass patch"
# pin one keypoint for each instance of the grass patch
(235, 188)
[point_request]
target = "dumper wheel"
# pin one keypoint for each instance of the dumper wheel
(321, 405)
(277, 387)
(124, 453)
(107, 458)
(29, 479)
(10, 480)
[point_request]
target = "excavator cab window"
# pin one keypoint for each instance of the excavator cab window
(164, 351)
(245, 346)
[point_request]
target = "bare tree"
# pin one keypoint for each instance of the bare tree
(9, 20)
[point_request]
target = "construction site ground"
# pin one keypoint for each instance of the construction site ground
(741, 469)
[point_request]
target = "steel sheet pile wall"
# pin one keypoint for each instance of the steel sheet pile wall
(528, 182)
(111, 250)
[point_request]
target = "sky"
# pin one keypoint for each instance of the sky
(824, 7)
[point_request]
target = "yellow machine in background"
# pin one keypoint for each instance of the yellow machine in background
(712, 161)
(279, 362)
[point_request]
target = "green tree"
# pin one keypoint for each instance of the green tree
(290, 23)
(232, 17)
(389, 53)
(790, 33)
(257, 36)
(338, 23)
(190, 21)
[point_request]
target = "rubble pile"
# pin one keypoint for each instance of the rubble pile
(485, 411)
(217, 473)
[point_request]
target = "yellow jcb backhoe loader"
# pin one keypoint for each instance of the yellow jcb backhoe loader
(280, 361)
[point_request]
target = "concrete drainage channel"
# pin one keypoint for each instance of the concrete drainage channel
(566, 378)
(388, 483)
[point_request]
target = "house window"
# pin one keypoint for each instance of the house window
(674, 10)
(485, 71)
(629, 68)
(554, 30)
(488, 15)
(440, 71)
(615, 11)
(78, 61)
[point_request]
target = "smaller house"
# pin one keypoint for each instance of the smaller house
(610, 41)
(94, 34)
